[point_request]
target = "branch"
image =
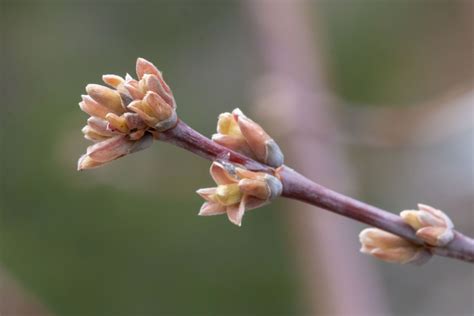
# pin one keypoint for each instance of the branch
(298, 187)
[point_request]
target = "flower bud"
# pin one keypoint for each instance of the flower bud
(391, 248)
(100, 126)
(117, 123)
(154, 111)
(134, 91)
(257, 188)
(104, 151)
(228, 194)
(107, 97)
(144, 110)
(152, 83)
(92, 135)
(145, 67)
(92, 107)
(160, 108)
(111, 149)
(238, 190)
(238, 144)
(433, 226)
(258, 184)
(239, 133)
(86, 162)
(127, 117)
(113, 80)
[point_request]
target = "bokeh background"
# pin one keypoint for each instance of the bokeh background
(385, 89)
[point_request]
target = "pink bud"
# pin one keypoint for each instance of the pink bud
(134, 91)
(238, 132)
(152, 83)
(100, 126)
(235, 143)
(110, 149)
(144, 111)
(93, 135)
(113, 80)
(92, 107)
(160, 108)
(263, 146)
(391, 248)
(117, 123)
(436, 236)
(107, 97)
(145, 67)
(433, 226)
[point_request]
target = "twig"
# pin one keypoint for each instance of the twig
(298, 187)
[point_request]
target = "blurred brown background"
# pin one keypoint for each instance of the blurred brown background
(372, 98)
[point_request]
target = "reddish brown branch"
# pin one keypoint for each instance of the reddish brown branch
(298, 187)
(185, 137)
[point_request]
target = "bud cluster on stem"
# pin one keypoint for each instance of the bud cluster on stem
(247, 166)
(432, 226)
(237, 132)
(238, 190)
(125, 117)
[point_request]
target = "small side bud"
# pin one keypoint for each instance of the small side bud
(255, 136)
(238, 190)
(433, 226)
(85, 162)
(391, 248)
(263, 146)
(237, 132)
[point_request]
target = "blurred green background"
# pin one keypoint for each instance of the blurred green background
(125, 239)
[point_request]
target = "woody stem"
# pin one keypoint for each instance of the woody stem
(298, 187)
